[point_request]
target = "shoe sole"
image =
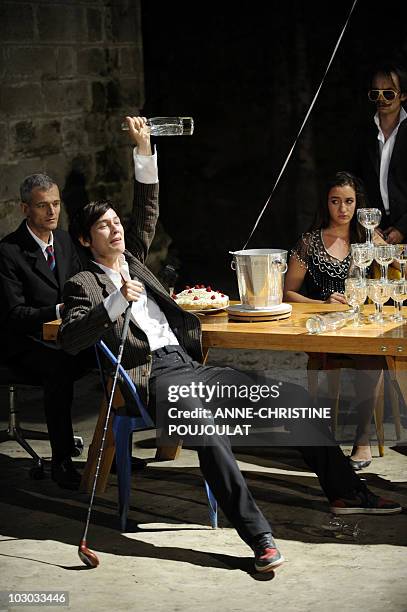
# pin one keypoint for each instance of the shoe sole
(269, 568)
(366, 510)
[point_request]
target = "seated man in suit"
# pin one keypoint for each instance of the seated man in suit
(163, 347)
(35, 262)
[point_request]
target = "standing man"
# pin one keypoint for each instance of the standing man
(382, 155)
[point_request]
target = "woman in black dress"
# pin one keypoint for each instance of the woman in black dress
(318, 266)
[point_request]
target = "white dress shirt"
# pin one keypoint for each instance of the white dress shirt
(386, 149)
(145, 312)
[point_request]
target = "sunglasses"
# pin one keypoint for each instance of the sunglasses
(386, 94)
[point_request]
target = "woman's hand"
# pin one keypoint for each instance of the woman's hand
(132, 290)
(336, 298)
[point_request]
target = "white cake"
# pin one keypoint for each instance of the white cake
(201, 298)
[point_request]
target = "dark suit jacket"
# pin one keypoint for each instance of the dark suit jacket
(366, 166)
(85, 319)
(29, 289)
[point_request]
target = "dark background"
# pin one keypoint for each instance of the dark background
(247, 74)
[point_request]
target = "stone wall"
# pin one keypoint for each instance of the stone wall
(70, 70)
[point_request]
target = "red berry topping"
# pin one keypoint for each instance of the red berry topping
(213, 297)
(187, 287)
(221, 295)
(174, 296)
(202, 287)
(197, 287)
(196, 298)
(209, 289)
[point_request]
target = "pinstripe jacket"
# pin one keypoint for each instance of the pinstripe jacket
(85, 319)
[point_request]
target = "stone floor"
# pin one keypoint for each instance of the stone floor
(170, 559)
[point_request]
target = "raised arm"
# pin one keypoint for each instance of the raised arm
(140, 229)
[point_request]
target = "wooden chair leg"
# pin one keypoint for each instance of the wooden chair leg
(379, 413)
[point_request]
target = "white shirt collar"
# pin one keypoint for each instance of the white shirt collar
(40, 242)
(124, 269)
(402, 117)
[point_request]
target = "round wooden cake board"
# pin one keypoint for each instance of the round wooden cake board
(249, 317)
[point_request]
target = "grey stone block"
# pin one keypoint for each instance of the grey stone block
(21, 99)
(63, 96)
(93, 61)
(35, 138)
(33, 61)
(94, 24)
(74, 133)
(66, 62)
(4, 141)
(16, 22)
(62, 23)
(12, 175)
(126, 21)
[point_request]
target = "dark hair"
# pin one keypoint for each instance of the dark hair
(87, 216)
(386, 67)
(34, 181)
(322, 217)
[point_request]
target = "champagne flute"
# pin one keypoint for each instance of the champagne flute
(362, 255)
(379, 292)
(384, 255)
(400, 255)
(399, 294)
(370, 219)
(355, 295)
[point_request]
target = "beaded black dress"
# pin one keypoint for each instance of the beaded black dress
(325, 274)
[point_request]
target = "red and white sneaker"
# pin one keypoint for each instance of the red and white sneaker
(267, 557)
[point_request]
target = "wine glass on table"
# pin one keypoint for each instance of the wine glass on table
(400, 255)
(379, 292)
(370, 219)
(355, 295)
(384, 255)
(399, 294)
(362, 255)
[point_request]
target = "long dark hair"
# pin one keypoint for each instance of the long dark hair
(322, 217)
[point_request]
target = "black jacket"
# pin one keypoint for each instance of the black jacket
(29, 290)
(366, 166)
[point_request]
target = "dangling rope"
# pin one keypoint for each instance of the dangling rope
(303, 124)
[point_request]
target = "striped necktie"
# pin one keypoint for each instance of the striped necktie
(50, 256)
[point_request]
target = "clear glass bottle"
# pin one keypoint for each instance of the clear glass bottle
(329, 321)
(168, 126)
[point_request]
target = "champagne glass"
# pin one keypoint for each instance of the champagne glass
(362, 255)
(379, 292)
(370, 219)
(399, 294)
(355, 295)
(400, 255)
(384, 255)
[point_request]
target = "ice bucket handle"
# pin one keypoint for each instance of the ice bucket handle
(233, 264)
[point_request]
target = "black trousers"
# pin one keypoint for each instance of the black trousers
(56, 371)
(172, 366)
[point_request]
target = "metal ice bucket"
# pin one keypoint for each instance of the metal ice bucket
(260, 276)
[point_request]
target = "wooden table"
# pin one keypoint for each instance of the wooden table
(388, 340)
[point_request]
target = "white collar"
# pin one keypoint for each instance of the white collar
(38, 240)
(402, 117)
